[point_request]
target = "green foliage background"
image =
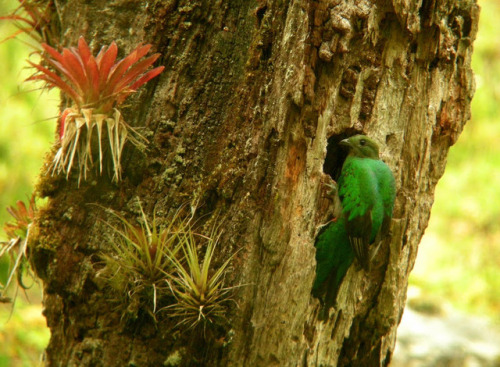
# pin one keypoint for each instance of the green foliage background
(25, 132)
(459, 257)
(25, 137)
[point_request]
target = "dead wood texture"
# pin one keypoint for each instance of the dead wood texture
(246, 119)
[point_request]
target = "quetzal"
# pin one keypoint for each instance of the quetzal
(367, 191)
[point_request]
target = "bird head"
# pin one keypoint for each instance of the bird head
(361, 146)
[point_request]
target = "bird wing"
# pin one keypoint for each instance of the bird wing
(359, 232)
(387, 190)
(357, 191)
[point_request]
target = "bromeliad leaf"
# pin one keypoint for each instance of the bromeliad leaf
(97, 82)
(198, 289)
(140, 256)
(23, 215)
(97, 86)
(32, 18)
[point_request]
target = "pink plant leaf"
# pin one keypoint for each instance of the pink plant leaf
(135, 71)
(84, 50)
(99, 82)
(54, 81)
(147, 77)
(107, 62)
(91, 70)
(122, 66)
(71, 80)
(52, 52)
(16, 33)
(142, 80)
(31, 18)
(100, 54)
(23, 215)
(19, 18)
(74, 70)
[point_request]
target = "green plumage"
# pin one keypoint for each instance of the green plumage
(367, 190)
(334, 255)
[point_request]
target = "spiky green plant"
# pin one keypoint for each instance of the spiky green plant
(199, 290)
(96, 86)
(18, 234)
(140, 257)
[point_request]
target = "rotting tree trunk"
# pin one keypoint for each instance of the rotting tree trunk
(246, 118)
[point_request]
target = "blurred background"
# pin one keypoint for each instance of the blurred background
(452, 316)
(453, 312)
(25, 137)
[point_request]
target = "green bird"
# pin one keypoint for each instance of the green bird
(367, 190)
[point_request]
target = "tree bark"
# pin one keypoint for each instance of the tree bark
(246, 119)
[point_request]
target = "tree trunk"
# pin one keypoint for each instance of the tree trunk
(246, 119)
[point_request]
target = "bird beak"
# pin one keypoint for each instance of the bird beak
(345, 142)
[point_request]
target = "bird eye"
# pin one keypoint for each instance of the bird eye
(362, 142)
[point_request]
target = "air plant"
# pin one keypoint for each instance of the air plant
(96, 87)
(198, 289)
(148, 263)
(32, 18)
(18, 234)
(23, 216)
(140, 257)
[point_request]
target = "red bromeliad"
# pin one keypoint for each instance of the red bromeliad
(23, 215)
(97, 86)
